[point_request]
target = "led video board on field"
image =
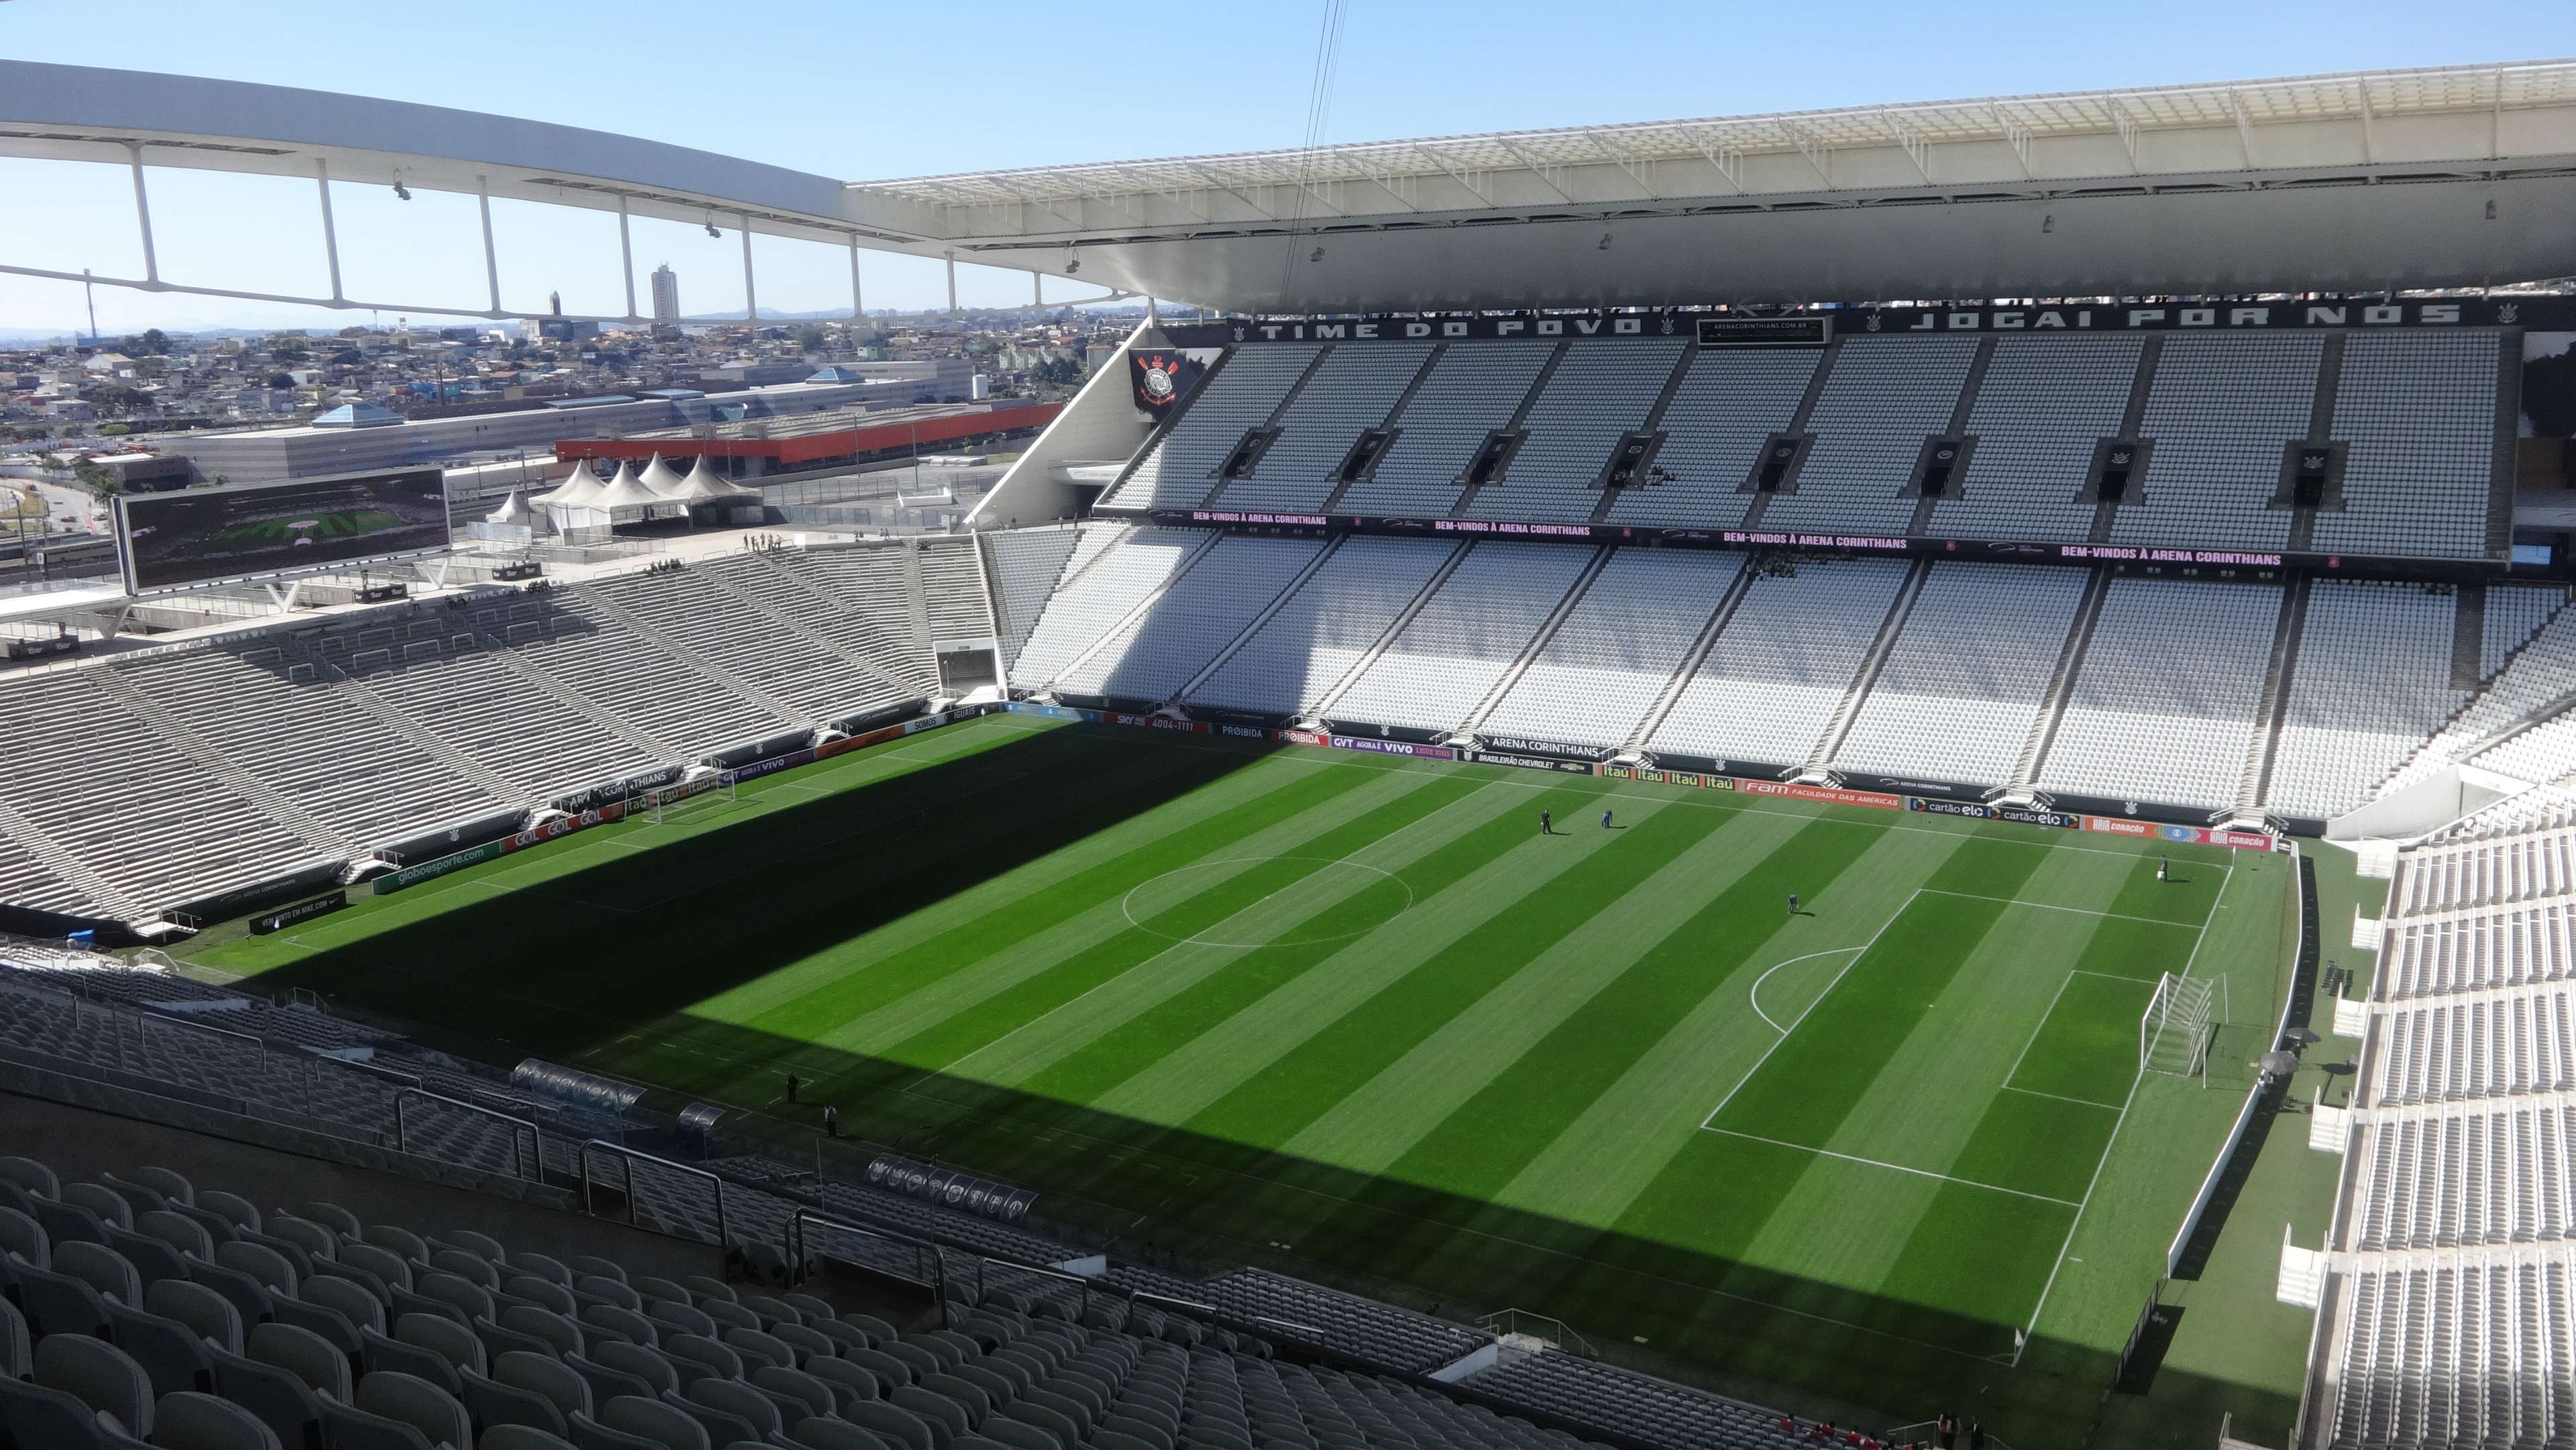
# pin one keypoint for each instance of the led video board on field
(201, 534)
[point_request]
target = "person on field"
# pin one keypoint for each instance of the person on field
(1976, 1435)
(1605, 820)
(2161, 864)
(792, 1085)
(1546, 824)
(1793, 903)
(831, 1122)
(1947, 1428)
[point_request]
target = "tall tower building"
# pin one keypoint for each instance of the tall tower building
(666, 299)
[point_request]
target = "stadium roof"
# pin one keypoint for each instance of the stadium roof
(1804, 205)
(2443, 177)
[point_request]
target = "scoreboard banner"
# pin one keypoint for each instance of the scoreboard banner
(1817, 325)
(199, 535)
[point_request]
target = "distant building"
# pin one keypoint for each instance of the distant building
(666, 298)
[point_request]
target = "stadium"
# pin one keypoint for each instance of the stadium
(1886, 777)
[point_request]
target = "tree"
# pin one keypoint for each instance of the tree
(116, 400)
(811, 338)
(96, 479)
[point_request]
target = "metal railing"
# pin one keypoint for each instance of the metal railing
(630, 1156)
(935, 1278)
(1312, 1333)
(518, 1162)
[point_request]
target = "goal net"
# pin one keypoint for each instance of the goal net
(671, 802)
(2173, 1036)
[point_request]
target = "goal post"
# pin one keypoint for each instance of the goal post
(2173, 1033)
(672, 801)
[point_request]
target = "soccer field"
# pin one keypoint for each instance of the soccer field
(339, 524)
(1357, 1018)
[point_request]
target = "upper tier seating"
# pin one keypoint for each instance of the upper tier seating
(2163, 706)
(2372, 681)
(2220, 412)
(1352, 392)
(2044, 404)
(1324, 628)
(1472, 390)
(1180, 466)
(1454, 650)
(1611, 657)
(1880, 402)
(1602, 389)
(1731, 400)
(1962, 685)
(2417, 410)
(1783, 664)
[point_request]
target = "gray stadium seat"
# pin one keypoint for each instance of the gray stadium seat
(187, 1420)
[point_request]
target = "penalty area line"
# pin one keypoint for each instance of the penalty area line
(1895, 1167)
(1754, 993)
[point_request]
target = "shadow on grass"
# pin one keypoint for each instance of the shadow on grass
(593, 958)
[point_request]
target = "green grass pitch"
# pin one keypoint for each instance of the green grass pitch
(1356, 1018)
(275, 533)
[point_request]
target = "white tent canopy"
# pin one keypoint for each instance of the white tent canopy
(578, 490)
(661, 478)
(625, 491)
(705, 485)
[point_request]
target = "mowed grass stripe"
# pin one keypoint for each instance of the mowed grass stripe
(1455, 891)
(1496, 838)
(1535, 1097)
(1152, 1034)
(1392, 801)
(1308, 903)
(1340, 1060)
(1830, 1056)
(1271, 798)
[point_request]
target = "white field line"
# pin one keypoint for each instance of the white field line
(2116, 1125)
(2063, 983)
(1754, 993)
(1895, 1167)
(2073, 910)
(1810, 1007)
(2063, 1098)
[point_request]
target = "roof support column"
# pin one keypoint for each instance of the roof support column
(143, 214)
(491, 259)
(626, 257)
(330, 234)
(952, 281)
(1037, 289)
(750, 297)
(856, 306)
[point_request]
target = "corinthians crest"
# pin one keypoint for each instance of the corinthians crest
(1163, 377)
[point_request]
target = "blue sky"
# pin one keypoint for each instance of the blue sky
(866, 91)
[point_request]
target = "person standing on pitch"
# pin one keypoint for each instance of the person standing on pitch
(2161, 864)
(831, 1122)
(1793, 903)
(1605, 820)
(791, 1087)
(1546, 824)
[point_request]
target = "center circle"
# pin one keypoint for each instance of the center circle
(1339, 899)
